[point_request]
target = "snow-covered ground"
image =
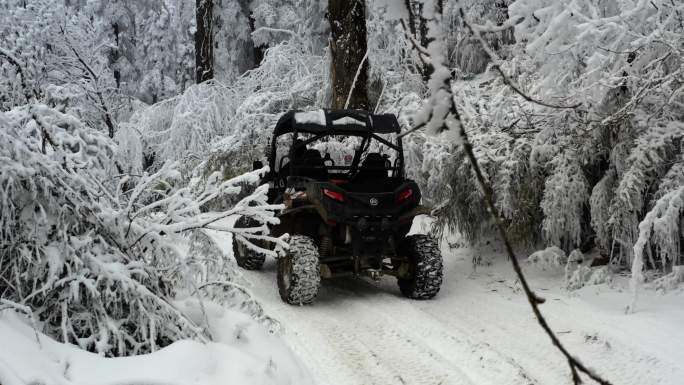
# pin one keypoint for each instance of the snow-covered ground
(242, 353)
(479, 329)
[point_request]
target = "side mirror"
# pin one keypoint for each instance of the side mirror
(257, 165)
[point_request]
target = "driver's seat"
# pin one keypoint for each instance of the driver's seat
(310, 164)
(374, 167)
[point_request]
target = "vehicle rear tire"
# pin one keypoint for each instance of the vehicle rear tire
(245, 257)
(426, 267)
(299, 272)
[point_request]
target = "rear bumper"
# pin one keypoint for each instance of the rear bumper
(356, 224)
(357, 208)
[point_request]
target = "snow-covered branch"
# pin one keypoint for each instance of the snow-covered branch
(99, 260)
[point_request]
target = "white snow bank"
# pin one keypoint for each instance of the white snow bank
(242, 354)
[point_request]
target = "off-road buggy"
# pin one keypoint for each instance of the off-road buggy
(348, 212)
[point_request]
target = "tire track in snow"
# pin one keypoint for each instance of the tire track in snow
(479, 360)
(351, 345)
(356, 334)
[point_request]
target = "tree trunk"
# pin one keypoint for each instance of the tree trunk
(204, 41)
(259, 51)
(348, 46)
(116, 54)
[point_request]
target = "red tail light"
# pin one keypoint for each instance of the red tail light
(404, 195)
(333, 195)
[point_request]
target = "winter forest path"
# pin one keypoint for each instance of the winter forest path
(479, 330)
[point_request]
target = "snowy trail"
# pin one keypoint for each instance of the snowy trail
(479, 330)
(357, 334)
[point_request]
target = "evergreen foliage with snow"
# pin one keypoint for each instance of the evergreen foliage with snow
(586, 166)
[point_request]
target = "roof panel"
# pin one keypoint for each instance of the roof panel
(350, 122)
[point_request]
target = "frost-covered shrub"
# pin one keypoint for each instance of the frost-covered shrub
(565, 198)
(59, 254)
(395, 71)
(471, 57)
(576, 279)
(601, 275)
(217, 278)
(588, 171)
(129, 157)
(23, 59)
(599, 202)
(97, 258)
(586, 276)
(458, 198)
(550, 257)
(465, 52)
(518, 190)
(578, 274)
(661, 231)
(232, 121)
(669, 281)
(647, 163)
(504, 156)
(525, 218)
(276, 21)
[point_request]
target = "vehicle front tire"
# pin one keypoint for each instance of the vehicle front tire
(299, 273)
(245, 257)
(425, 265)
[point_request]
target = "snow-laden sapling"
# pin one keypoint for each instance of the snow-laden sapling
(96, 255)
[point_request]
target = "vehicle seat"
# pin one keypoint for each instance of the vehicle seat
(310, 164)
(374, 167)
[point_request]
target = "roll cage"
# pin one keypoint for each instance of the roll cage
(326, 123)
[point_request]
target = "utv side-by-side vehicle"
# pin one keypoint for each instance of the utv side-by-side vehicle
(349, 205)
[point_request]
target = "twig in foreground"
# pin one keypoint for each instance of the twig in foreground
(575, 365)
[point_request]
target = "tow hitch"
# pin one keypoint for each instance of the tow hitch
(374, 274)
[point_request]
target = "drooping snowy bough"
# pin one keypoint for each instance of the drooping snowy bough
(98, 256)
(660, 232)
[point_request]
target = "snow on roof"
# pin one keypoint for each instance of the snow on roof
(311, 117)
(353, 122)
(348, 120)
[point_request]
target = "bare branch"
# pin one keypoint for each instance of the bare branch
(507, 81)
(20, 70)
(107, 116)
(495, 59)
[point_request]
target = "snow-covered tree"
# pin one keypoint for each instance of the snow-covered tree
(98, 255)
